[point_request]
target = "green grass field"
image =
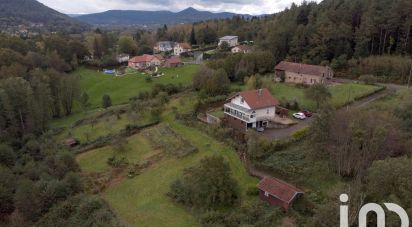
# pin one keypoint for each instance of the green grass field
(142, 200)
(120, 89)
(341, 93)
(137, 148)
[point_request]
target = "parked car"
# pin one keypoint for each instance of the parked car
(300, 116)
(261, 129)
(307, 113)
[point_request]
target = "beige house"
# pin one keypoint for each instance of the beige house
(299, 73)
(242, 49)
(145, 61)
(230, 40)
(181, 48)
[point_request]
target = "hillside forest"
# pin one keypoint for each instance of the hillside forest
(41, 182)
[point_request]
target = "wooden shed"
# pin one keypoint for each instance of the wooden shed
(277, 192)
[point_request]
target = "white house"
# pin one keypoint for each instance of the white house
(230, 40)
(250, 109)
(181, 48)
(164, 46)
(242, 49)
(121, 58)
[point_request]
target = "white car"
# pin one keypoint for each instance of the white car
(300, 116)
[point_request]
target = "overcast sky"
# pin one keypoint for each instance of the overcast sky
(254, 7)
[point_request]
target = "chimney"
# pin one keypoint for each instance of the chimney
(260, 92)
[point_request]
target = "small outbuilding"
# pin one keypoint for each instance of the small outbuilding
(71, 142)
(173, 61)
(277, 192)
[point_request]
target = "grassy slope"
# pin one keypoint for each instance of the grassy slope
(137, 149)
(120, 89)
(142, 200)
(341, 93)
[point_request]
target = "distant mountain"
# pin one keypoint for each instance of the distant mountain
(136, 17)
(33, 15)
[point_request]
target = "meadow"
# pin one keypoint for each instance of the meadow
(142, 200)
(120, 89)
(342, 94)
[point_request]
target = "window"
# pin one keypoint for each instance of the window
(267, 111)
(242, 100)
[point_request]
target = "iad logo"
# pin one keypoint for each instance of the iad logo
(363, 213)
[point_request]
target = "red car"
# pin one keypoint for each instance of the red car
(307, 113)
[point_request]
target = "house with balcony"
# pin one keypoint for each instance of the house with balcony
(250, 109)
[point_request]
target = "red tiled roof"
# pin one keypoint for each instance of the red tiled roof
(279, 189)
(257, 99)
(142, 58)
(316, 70)
(159, 56)
(185, 45)
(174, 60)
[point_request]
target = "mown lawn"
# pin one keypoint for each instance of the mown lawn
(142, 200)
(120, 89)
(346, 93)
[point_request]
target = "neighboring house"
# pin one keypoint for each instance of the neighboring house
(122, 58)
(173, 61)
(145, 61)
(277, 192)
(250, 109)
(181, 48)
(164, 46)
(303, 73)
(242, 49)
(230, 40)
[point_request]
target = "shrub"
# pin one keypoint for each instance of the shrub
(300, 134)
(252, 191)
(148, 79)
(117, 162)
(368, 79)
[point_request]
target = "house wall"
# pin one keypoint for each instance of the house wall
(234, 122)
(298, 78)
(272, 200)
(231, 42)
(178, 50)
(266, 112)
(238, 101)
(236, 50)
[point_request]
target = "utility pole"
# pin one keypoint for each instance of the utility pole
(410, 75)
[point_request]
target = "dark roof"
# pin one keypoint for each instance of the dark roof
(258, 99)
(278, 189)
(71, 142)
(316, 70)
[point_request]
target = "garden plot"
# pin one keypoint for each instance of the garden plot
(164, 138)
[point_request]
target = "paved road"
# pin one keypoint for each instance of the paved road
(277, 134)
